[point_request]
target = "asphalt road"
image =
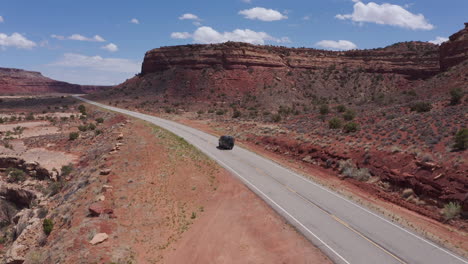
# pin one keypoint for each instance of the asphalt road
(345, 231)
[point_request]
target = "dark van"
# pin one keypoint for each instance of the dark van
(226, 142)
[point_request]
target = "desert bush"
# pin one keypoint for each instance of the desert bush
(100, 120)
(461, 139)
(349, 115)
(47, 226)
(350, 127)
(82, 109)
(335, 123)
(54, 188)
(82, 128)
(324, 110)
(236, 114)
(276, 118)
(220, 112)
(15, 175)
(73, 135)
(341, 108)
(200, 112)
(30, 117)
(91, 126)
(421, 107)
(66, 169)
(451, 210)
(456, 96)
(348, 169)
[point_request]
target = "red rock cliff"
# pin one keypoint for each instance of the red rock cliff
(456, 50)
(414, 59)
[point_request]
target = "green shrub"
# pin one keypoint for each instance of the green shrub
(100, 120)
(276, 118)
(456, 96)
(47, 226)
(30, 117)
(421, 107)
(349, 115)
(461, 139)
(348, 169)
(66, 169)
(236, 114)
(73, 135)
(200, 112)
(341, 108)
(82, 128)
(220, 112)
(324, 110)
(91, 126)
(82, 109)
(350, 127)
(335, 123)
(15, 175)
(451, 210)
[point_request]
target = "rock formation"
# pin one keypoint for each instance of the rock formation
(455, 50)
(16, 81)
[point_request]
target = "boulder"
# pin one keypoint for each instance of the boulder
(98, 208)
(99, 238)
(7, 212)
(28, 239)
(105, 171)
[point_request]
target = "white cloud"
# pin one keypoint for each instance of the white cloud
(262, 14)
(181, 35)
(306, 18)
(206, 35)
(438, 40)
(135, 21)
(57, 37)
(386, 14)
(197, 23)
(189, 16)
(79, 37)
(247, 1)
(16, 40)
(336, 45)
(97, 63)
(1, 19)
(110, 47)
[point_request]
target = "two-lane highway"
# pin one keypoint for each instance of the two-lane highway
(345, 231)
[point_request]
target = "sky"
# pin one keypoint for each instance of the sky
(103, 42)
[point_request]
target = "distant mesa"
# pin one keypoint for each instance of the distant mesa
(17, 81)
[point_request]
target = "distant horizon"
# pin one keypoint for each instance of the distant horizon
(97, 43)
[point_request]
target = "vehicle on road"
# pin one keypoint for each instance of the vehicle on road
(226, 142)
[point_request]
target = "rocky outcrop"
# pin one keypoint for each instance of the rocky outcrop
(455, 50)
(17, 81)
(414, 59)
(17, 194)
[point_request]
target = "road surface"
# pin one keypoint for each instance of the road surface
(345, 231)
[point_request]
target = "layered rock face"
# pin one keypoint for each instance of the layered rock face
(456, 50)
(413, 59)
(16, 81)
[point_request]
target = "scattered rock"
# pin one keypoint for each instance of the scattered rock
(120, 136)
(100, 198)
(98, 208)
(105, 172)
(99, 238)
(308, 159)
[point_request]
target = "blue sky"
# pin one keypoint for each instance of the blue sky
(103, 42)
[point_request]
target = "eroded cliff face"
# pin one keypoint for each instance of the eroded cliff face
(412, 59)
(455, 50)
(17, 81)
